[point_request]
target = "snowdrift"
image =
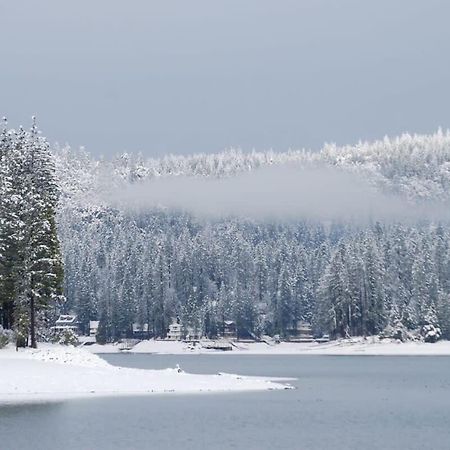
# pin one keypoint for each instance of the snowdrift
(59, 373)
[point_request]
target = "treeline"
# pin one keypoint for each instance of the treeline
(124, 267)
(344, 279)
(31, 270)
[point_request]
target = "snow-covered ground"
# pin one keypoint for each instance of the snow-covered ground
(356, 346)
(57, 373)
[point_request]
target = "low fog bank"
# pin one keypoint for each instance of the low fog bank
(275, 193)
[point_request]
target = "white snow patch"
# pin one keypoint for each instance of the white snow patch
(58, 373)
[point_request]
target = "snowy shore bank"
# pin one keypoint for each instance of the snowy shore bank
(357, 346)
(59, 373)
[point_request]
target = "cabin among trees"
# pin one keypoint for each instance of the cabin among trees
(296, 331)
(93, 328)
(67, 322)
(140, 331)
(174, 332)
(229, 329)
(300, 331)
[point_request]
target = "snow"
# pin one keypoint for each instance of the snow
(355, 346)
(59, 373)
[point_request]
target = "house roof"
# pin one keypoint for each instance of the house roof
(66, 319)
(139, 327)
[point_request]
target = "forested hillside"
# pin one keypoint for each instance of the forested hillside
(345, 277)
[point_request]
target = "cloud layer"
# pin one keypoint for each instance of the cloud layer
(274, 193)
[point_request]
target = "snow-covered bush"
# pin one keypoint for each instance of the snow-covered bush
(400, 332)
(393, 332)
(66, 337)
(431, 333)
(6, 336)
(3, 339)
(101, 336)
(431, 330)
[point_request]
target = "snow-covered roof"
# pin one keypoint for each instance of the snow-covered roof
(66, 319)
(139, 327)
(93, 323)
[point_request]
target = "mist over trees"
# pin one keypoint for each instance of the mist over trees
(345, 277)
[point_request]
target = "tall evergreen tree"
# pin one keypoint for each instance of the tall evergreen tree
(32, 269)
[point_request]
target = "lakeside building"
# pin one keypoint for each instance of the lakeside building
(140, 331)
(174, 332)
(229, 329)
(300, 331)
(193, 334)
(67, 322)
(93, 328)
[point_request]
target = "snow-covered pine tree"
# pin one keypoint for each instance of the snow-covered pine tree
(34, 269)
(8, 227)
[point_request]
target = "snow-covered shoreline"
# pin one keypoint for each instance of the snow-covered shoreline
(58, 373)
(346, 347)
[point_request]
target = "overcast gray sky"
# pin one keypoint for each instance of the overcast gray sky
(201, 75)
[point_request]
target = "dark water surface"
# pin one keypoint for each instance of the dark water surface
(355, 402)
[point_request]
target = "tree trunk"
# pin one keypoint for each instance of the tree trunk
(33, 321)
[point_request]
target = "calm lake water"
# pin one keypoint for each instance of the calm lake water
(356, 402)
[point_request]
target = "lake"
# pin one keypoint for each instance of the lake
(341, 402)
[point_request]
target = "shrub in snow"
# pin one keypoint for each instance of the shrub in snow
(100, 337)
(3, 339)
(66, 337)
(431, 333)
(393, 332)
(400, 332)
(6, 336)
